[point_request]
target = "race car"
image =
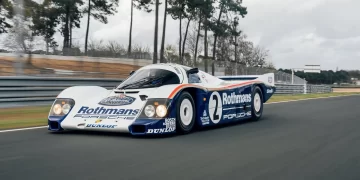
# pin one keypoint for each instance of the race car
(162, 98)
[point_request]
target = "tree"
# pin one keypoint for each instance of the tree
(177, 12)
(190, 13)
(5, 14)
(156, 31)
(99, 10)
(145, 4)
(69, 15)
(205, 10)
(192, 42)
(131, 25)
(45, 20)
(20, 36)
(235, 34)
(162, 58)
(220, 27)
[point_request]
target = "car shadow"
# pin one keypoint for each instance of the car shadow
(158, 136)
(228, 125)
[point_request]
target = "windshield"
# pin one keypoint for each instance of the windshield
(147, 78)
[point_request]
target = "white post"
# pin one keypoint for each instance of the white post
(292, 76)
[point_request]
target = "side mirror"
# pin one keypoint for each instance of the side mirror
(193, 71)
(132, 72)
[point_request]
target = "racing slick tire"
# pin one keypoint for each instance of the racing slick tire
(257, 104)
(186, 112)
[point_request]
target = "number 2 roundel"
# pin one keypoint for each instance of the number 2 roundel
(215, 107)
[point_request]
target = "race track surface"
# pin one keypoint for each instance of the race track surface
(305, 140)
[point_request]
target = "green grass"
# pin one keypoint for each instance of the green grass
(278, 98)
(21, 123)
(37, 116)
(11, 118)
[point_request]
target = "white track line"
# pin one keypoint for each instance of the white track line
(30, 128)
(311, 99)
(22, 129)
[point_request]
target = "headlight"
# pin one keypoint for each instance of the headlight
(155, 108)
(57, 109)
(66, 108)
(161, 111)
(61, 107)
(149, 110)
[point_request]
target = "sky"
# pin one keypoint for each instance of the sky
(296, 32)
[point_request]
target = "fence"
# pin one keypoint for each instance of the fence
(24, 91)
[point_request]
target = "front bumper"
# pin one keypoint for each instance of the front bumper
(137, 127)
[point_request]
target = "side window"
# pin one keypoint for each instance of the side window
(194, 78)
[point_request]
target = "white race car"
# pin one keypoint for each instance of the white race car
(161, 99)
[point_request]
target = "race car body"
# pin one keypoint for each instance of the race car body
(160, 99)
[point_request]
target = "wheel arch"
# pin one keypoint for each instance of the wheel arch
(263, 89)
(196, 95)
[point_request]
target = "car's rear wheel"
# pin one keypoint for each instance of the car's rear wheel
(185, 108)
(257, 104)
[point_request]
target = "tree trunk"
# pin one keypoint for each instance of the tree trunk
(156, 31)
(70, 29)
(66, 31)
(47, 46)
(205, 46)
(181, 61)
(131, 25)
(197, 42)
(87, 29)
(214, 46)
(162, 58)
(186, 32)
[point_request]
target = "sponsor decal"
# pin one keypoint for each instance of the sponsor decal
(269, 91)
(170, 126)
(170, 123)
(205, 119)
(101, 126)
(97, 121)
(158, 131)
(235, 99)
(270, 79)
(106, 113)
(237, 115)
(117, 100)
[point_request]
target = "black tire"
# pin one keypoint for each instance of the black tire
(256, 115)
(182, 128)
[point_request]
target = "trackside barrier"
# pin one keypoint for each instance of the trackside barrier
(24, 91)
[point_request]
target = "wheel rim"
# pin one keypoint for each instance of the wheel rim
(257, 102)
(186, 112)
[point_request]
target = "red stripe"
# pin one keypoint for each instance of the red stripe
(177, 89)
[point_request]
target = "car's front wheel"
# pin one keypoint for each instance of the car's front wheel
(257, 104)
(185, 108)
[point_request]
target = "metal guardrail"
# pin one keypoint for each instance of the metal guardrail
(24, 91)
(301, 89)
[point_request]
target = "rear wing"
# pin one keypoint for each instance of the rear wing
(268, 78)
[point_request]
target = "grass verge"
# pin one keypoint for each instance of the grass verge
(279, 98)
(12, 118)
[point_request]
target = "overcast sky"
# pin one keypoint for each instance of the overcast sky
(297, 32)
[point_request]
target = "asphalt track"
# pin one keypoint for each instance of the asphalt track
(313, 139)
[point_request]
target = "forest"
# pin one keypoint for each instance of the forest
(209, 30)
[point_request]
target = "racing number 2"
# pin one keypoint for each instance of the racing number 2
(215, 115)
